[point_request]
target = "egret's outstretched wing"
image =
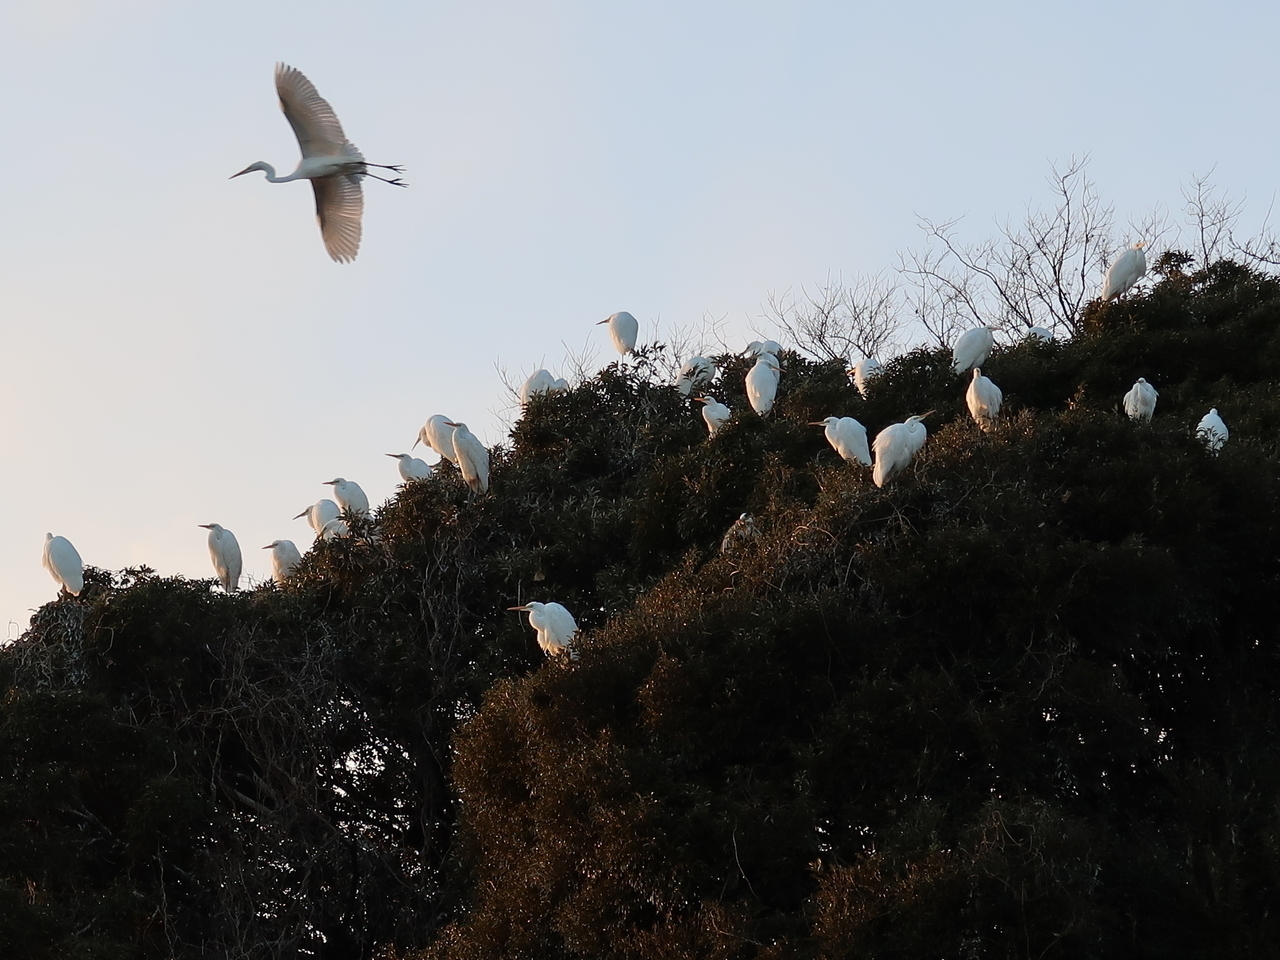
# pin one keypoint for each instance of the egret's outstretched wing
(314, 123)
(339, 206)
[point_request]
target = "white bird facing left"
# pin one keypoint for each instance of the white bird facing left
(624, 330)
(411, 468)
(472, 457)
(1140, 401)
(1213, 431)
(896, 446)
(984, 399)
(555, 626)
(438, 435)
(350, 497)
(320, 513)
(714, 413)
(284, 559)
(329, 160)
(762, 383)
(1127, 270)
(224, 551)
(972, 348)
(847, 437)
(63, 562)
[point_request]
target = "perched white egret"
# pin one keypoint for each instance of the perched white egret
(759, 348)
(896, 446)
(1039, 333)
(349, 496)
(472, 457)
(972, 348)
(63, 562)
(1127, 270)
(762, 383)
(438, 435)
(320, 513)
(863, 371)
(224, 551)
(329, 160)
(984, 399)
(695, 373)
(847, 437)
(337, 527)
(540, 381)
(284, 558)
(715, 413)
(411, 468)
(555, 626)
(1212, 431)
(1140, 401)
(624, 329)
(741, 533)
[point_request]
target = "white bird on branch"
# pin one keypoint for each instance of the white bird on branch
(863, 371)
(896, 446)
(410, 467)
(1127, 270)
(847, 437)
(715, 413)
(762, 383)
(984, 399)
(1213, 431)
(472, 458)
(320, 513)
(695, 373)
(1140, 401)
(63, 562)
(284, 559)
(350, 497)
(438, 435)
(555, 626)
(972, 349)
(224, 551)
(624, 330)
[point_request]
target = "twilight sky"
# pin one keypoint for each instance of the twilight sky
(178, 349)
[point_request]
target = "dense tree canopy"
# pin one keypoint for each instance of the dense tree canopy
(1020, 702)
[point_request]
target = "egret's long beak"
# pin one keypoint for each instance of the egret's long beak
(241, 173)
(517, 608)
(817, 423)
(269, 546)
(206, 526)
(415, 445)
(330, 483)
(929, 414)
(450, 423)
(397, 456)
(303, 514)
(605, 320)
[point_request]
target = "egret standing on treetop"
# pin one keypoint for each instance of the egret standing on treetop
(758, 348)
(555, 626)
(847, 437)
(896, 446)
(438, 435)
(224, 551)
(715, 413)
(984, 399)
(694, 374)
(411, 468)
(972, 349)
(329, 160)
(624, 329)
(1212, 431)
(472, 457)
(320, 513)
(1039, 333)
(284, 558)
(762, 383)
(540, 381)
(1140, 401)
(63, 562)
(349, 496)
(863, 371)
(1127, 270)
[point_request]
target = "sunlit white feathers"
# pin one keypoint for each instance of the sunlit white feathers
(555, 626)
(63, 562)
(896, 446)
(972, 348)
(284, 559)
(624, 330)
(1213, 431)
(863, 371)
(762, 383)
(320, 513)
(438, 435)
(714, 413)
(411, 467)
(984, 399)
(694, 374)
(472, 458)
(350, 497)
(224, 551)
(1140, 401)
(1127, 270)
(847, 437)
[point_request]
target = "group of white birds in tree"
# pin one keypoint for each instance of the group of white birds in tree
(335, 169)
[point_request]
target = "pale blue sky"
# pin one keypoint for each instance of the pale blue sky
(178, 348)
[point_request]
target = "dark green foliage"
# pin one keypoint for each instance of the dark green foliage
(1020, 703)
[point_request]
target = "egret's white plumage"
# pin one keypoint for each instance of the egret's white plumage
(741, 533)
(624, 330)
(472, 458)
(410, 467)
(762, 383)
(554, 624)
(337, 527)
(715, 413)
(1140, 401)
(984, 399)
(759, 348)
(1039, 333)
(1127, 270)
(863, 371)
(350, 497)
(284, 558)
(1213, 431)
(224, 551)
(896, 446)
(438, 435)
(694, 374)
(329, 160)
(972, 348)
(540, 381)
(847, 437)
(63, 562)
(320, 513)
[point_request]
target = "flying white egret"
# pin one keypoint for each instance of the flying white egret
(863, 371)
(329, 160)
(624, 329)
(320, 513)
(337, 527)
(847, 437)
(1039, 333)
(758, 348)
(896, 446)
(1212, 431)
(1127, 270)
(984, 399)
(741, 533)
(411, 468)
(1140, 401)
(540, 381)
(349, 496)
(555, 626)
(63, 562)
(695, 373)
(472, 457)
(972, 348)
(224, 551)
(284, 558)
(762, 383)
(438, 435)
(715, 413)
